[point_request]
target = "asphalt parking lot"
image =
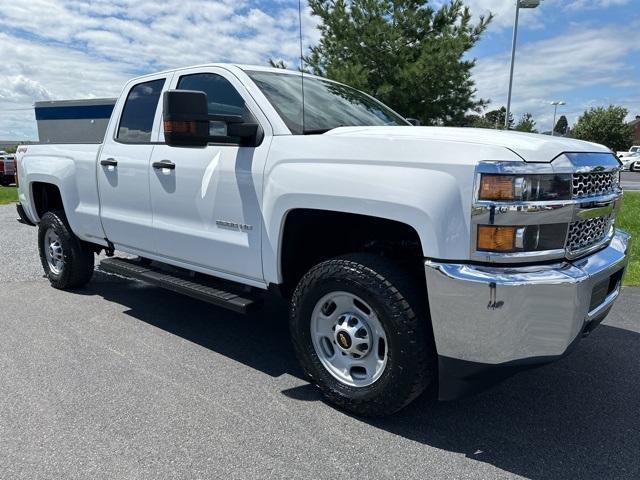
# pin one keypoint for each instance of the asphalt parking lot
(630, 181)
(123, 380)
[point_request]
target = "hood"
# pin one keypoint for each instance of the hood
(530, 147)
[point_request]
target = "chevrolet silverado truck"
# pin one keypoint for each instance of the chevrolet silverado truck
(415, 258)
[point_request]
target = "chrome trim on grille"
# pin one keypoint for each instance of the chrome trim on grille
(540, 213)
(580, 208)
(585, 234)
(594, 184)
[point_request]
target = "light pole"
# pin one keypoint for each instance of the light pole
(555, 111)
(519, 4)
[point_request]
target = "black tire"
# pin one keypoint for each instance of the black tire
(78, 256)
(399, 300)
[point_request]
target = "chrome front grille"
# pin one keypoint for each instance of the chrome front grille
(585, 233)
(591, 184)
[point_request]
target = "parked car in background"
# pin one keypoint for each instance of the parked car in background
(7, 168)
(631, 162)
(631, 151)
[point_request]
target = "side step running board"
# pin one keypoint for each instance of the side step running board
(176, 280)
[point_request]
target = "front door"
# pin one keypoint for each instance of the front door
(206, 205)
(123, 170)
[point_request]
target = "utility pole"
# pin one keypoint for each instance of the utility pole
(519, 4)
(555, 111)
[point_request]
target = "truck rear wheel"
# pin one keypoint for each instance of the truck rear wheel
(67, 261)
(361, 332)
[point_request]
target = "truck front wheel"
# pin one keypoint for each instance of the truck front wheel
(361, 332)
(67, 261)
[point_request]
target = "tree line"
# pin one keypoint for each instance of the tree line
(412, 55)
(605, 125)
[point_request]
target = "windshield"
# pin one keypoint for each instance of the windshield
(327, 104)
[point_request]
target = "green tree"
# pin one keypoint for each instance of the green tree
(495, 118)
(492, 119)
(526, 124)
(605, 126)
(477, 121)
(408, 53)
(562, 126)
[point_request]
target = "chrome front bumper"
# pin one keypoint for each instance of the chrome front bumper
(487, 315)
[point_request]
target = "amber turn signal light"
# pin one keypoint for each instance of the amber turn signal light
(180, 127)
(496, 187)
(496, 239)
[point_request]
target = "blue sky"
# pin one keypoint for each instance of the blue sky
(585, 52)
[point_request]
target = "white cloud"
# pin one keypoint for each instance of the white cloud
(566, 64)
(19, 88)
(33, 72)
(504, 14)
(504, 11)
(593, 4)
(76, 49)
(174, 32)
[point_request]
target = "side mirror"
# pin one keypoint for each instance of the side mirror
(185, 117)
(187, 120)
(413, 121)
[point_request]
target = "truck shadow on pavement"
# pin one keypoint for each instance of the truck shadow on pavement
(577, 418)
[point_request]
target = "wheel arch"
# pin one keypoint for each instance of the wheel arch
(48, 172)
(75, 182)
(330, 233)
(45, 197)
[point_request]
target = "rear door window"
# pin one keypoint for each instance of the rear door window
(136, 121)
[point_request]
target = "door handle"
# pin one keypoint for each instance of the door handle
(109, 162)
(164, 164)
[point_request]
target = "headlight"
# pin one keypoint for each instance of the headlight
(524, 188)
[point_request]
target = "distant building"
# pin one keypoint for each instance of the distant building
(73, 121)
(635, 124)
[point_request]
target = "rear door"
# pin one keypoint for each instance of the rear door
(123, 167)
(206, 209)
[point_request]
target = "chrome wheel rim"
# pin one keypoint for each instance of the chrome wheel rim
(53, 251)
(349, 339)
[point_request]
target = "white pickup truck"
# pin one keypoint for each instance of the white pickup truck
(414, 258)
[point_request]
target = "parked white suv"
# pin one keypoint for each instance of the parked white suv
(413, 257)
